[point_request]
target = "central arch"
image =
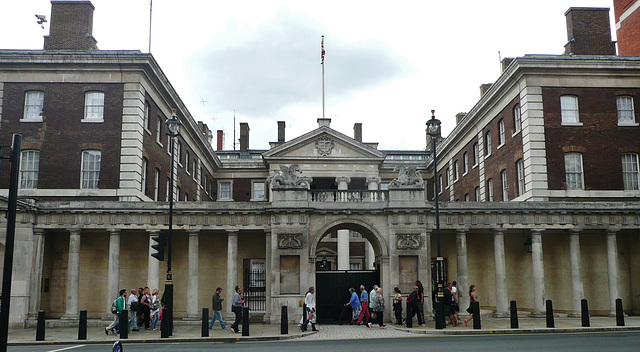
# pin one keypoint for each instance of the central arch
(378, 242)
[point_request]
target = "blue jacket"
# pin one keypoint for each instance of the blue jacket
(364, 296)
(355, 302)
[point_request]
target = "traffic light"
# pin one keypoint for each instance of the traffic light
(159, 246)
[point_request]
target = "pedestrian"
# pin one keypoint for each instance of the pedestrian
(236, 308)
(216, 306)
(134, 307)
(140, 313)
(397, 305)
(472, 298)
(378, 307)
(364, 302)
(310, 317)
(145, 304)
(414, 300)
(421, 303)
(120, 305)
(447, 300)
(356, 307)
(155, 308)
(456, 305)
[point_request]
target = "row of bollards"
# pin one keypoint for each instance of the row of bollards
(584, 313)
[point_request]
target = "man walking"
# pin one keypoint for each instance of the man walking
(414, 298)
(364, 302)
(372, 295)
(120, 306)
(236, 307)
(216, 306)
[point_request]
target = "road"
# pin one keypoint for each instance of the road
(578, 342)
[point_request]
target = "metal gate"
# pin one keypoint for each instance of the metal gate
(255, 290)
(332, 290)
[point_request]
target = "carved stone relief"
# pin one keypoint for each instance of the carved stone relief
(289, 241)
(408, 242)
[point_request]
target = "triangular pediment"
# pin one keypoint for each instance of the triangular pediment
(324, 145)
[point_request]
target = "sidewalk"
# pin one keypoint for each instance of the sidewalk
(261, 332)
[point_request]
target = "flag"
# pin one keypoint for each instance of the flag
(322, 51)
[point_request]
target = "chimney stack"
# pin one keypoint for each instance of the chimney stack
(460, 116)
(281, 126)
(588, 32)
(357, 131)
(505, 63)
(220, 140)
(244, 137)
(71, 26)
(484, 88)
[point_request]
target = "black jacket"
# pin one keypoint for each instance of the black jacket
(216, 302)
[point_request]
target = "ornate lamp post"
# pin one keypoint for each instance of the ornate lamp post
(433, 130)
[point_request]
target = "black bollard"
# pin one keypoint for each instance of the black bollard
(165, 324)
(439, 307)
(205, 322)
(475, 308)
(40, 327)
(82, 325)
(619, 312)
(304, 316)
(245, 321)
(124, 324)
(284, 321)
(409, 318)
(550, 322)
(514, 315)
(585, 313)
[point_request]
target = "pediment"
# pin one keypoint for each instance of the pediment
(327, 145)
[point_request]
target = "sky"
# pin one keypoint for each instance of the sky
(387, 64)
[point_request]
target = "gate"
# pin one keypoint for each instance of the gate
(332, 290)
(255, 290)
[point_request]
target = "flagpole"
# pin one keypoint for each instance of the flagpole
(322, 44)
(150, 18)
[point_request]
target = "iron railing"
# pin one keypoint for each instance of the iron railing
(255, 290)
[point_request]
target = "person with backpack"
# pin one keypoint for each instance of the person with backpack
(116, 308)
(414, 300)
(133, 306)
(155, 308)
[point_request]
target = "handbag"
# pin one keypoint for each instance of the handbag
(301, 303)
(135, 306)
(374, 315)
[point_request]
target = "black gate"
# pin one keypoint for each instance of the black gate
(255, 290)
(332, 290)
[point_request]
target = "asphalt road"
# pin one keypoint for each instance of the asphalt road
(593, 341)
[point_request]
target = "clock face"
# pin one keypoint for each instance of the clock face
(433, 128)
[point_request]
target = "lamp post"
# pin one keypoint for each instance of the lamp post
(173, 130)
(433, 130)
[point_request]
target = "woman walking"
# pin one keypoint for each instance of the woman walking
(378, 308)
(397, 305)
(155, 308)
(310, 317)
(354, 302)
(473, 297)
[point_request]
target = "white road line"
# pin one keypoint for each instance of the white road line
(66, 348)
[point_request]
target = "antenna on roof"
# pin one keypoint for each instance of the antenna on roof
(234, 130)
(499, 62)
(41, 19)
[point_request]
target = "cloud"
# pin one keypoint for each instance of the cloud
(277, 65)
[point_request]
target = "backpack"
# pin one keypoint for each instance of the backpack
(155, 305)
(114, 306)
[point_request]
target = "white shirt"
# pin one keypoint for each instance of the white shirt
(154, 298)
(453, 293)
(132, 298)
(310, 301)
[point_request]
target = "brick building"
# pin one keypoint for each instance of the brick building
(627, 19)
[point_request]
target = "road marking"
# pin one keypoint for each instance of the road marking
(66, 348)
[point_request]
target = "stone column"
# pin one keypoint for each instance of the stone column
(343, 235)
(369, 255)
(424, 275)
(232, 270)
(373, 185)
(153, 269)
(113, 276)
(35, 284)
(612, 266)
(387, 290)
(463, 270)
(267, 277)
(577, 289)
(73, 277)
(537, 265)
(502, 304)
(192, 276)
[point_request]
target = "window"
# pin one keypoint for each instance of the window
(477, 194)
(186, 161)
(156, 185)
(520, 169)
(194, 168)
(29, 164)
(177, 195)
(476, 153)
(143, 172)
(466, 197)
(505, 185)
(501, 135)
(354, 266)
(630, 174)
(145, 116)
(179, 153)
(225, 190)
(186, 197)
(517, 119)
(159, 130)
(258, 191)
(573, 170)
(569, 109)
(90, 169)
(94, 106)
(456, 170)
(487, 143)
(448, 173)
(625, 110)
(166, 197)
(465, 163)
(33, 104)
(440, 181)
(490, 190)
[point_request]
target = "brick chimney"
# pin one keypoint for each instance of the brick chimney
(220, 141)
(357, 131)
(71, 26)
(244, 137)
(588, 32)
(281, 126)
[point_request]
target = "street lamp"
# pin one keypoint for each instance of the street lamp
(433, 130)
(173, 130)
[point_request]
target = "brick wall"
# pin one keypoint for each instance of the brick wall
(628, 30)
(71, 26)
(589, 32)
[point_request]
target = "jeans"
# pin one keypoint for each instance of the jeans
(155, 319)
(133, 321)
(217, 315)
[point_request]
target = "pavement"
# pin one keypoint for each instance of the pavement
(268, 332)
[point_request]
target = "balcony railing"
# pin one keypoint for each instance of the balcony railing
(349, 196)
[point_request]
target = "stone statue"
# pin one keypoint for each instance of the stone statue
(289, 177)
(408, 177)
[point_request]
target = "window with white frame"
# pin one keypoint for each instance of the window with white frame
(225, 190)
(505, 185)
(487, 143)
(573, 171)
(94, 106)
(456, 170)
(156, 185)
(33, 104)
(159, 131)
(520, 170)
(630, 174)
(477, 194)
(517, 118)
(90, 173)
(490, 190)
(440, 181)
(179, 153)
(145, 116)
(177, 195)
(194, 167)
(569, 109)
(186, 197)
(29, 165)
(143, 172)
(476, 153)
(186, 162)
(258, 191)
(168, 186)
(501, 135)
(448, 174)
(465, 163)
(626, 113)
(466, 197)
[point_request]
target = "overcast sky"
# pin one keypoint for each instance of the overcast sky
(387, 63)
